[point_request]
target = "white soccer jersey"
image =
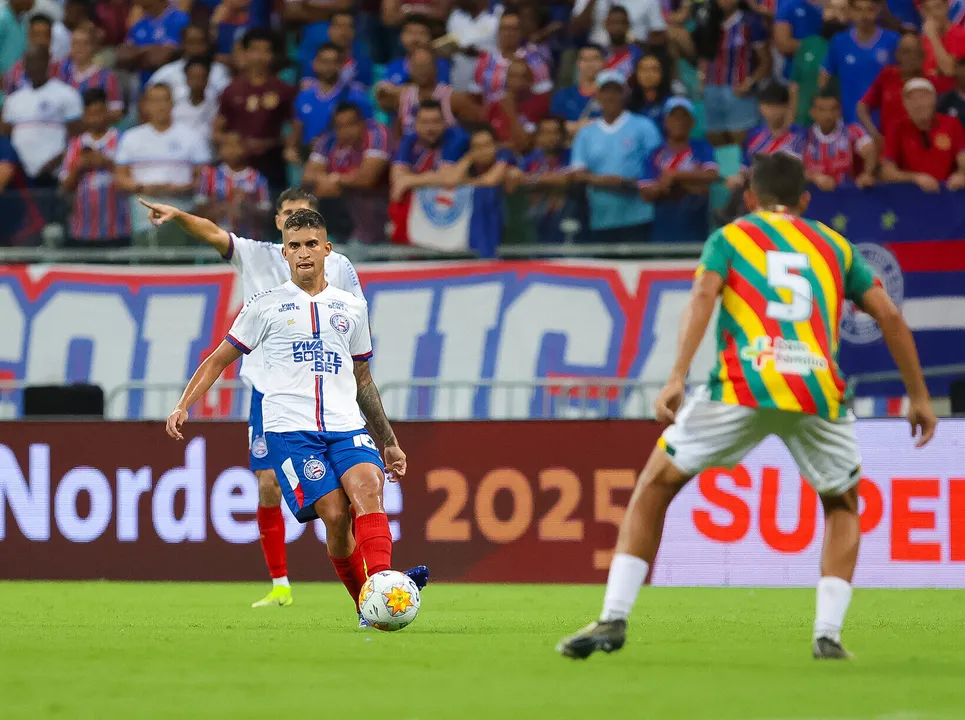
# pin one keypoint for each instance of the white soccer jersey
(309, 344)
(262, 267)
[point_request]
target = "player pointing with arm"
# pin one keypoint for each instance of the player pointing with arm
(782, 281)
(262, 266)
(316, 344)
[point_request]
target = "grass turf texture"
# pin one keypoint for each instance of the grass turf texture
(96, 650)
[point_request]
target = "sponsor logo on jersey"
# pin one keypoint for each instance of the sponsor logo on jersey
(336, 305)
(312, 351)
(790, 357)
(340, 323)
(314, 469)
(259, 448)
(858, 327)
(288, 307)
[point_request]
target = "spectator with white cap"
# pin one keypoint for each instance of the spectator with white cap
(926, 148)
(678, 176)
(609, 156)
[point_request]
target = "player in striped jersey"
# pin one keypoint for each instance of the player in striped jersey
(782, 282)
(489, 78)
(101, 215)
(81, 72)
(234, 194)
(622, 56)
(835, 151)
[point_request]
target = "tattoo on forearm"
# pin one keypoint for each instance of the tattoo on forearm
(370, 403)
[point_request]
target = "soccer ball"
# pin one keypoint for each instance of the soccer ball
(389, 600)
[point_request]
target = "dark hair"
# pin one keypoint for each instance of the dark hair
(259, 35)
(93, 96)
(774, 93)
(344, 12)
(347, 107)
(826, 93)
(328, 46)
(482, 128)
(295, 194)
(196, 26)
(637, 101)
(778, 178)
(507, 12)
(618, 9)
(41, 18)
(557, 120)
(417, 20)
(429, 105)
(592, 46)
(302, 219)
(203, 62)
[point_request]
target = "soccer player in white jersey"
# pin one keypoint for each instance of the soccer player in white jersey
(316, 344)
(262, 266)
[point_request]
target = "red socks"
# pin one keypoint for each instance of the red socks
(374, 541)
(351, 572)
(271, 525)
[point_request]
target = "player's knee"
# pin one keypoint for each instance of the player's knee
(845, 502)
(269, 494)
(365, 489)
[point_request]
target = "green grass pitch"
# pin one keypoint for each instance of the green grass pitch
(118, 650)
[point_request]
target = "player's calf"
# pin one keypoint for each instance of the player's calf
(271, 530)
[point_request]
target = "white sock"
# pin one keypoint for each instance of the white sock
(627, 573)
(833, 598)
(283, 581)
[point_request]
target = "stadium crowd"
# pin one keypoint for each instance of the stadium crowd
(626, 118)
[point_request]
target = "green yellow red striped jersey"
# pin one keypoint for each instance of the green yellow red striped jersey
(785, 282)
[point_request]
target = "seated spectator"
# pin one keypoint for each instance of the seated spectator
(153, 40)
(650, 88)
(925, 148)
(836, 152)
(647, 23)
(229, 22)
(415, 35)
(196, 46)
(39, 36)
(83, 73)
(729, 102)
(403, 101)
(100, 215)
(952, 103)
(514, 117)
(577, 104)
(778, 132)
(609, 156)
(489, 80)
(883, 103)
(258, 105)
(545, 172)
(314, 19)
(197, 109)
(356, 66)
(234, 194)
(351, 162)
(943, 41)
(856, 57)
(427, 157)
(677, 179)
(160, 161)
(471, 31)
(318, 98)
(622, 56)
(40, 115)
(796, 22)
(811, 50)
(396, 12)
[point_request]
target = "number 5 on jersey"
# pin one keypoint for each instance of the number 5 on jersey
(780, 277)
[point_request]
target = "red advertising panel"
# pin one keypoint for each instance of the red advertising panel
(488, 502)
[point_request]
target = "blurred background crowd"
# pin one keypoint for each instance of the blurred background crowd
(588, 121)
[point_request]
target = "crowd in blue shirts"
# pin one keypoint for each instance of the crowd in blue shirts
(618, 122)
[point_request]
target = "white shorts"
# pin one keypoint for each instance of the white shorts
(715, 434)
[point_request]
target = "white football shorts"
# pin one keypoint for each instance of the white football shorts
(715, 434)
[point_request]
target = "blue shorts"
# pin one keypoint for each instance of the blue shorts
(257, 447)
(309, 465)
(725, 112)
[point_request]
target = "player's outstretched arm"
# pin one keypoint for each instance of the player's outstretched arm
(370, 403)
(901, 345)
(693, 325)
(197, 227)
(202, 380)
